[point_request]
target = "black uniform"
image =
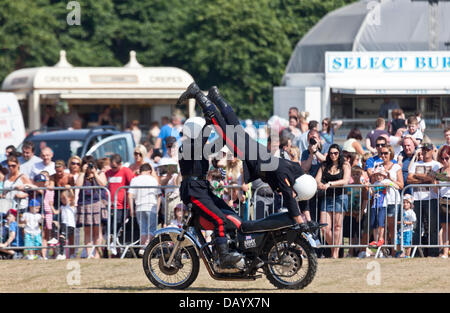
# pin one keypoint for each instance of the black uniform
(196, 189)
(279, 173)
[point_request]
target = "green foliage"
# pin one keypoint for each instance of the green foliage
(242, 46)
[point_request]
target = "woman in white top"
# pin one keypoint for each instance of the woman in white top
(352, 144)
(16, 180)
(443, 177)
(393, 195)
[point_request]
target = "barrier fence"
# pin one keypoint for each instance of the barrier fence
(351, 212)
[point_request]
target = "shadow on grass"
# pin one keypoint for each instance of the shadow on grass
(190, 289)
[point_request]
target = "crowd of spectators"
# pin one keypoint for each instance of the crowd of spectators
(396, 153)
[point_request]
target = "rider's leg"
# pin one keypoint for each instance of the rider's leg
(207, 209)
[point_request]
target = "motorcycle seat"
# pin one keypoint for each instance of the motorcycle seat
(272, 222)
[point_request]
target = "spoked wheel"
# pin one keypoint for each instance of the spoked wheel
(183, 271)
(293, 266)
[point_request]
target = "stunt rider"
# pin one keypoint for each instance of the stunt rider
(196, 190)
(282, 175)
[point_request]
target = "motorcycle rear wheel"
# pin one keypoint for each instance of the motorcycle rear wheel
(181, 276)
(297, 264)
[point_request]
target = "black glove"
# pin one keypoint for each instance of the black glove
(313, 224)
(303, 227)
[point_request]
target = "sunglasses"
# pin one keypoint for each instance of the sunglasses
(384, 153)
(12, 165)
(334, 153)
(381, 145)
(75, 163)
(137, 153)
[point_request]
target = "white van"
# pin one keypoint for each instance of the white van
(12, 127)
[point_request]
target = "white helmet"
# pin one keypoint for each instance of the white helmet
(193, 126)
(305, 186)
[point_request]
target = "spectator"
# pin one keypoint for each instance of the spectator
(68, 209)
(74, 170)
(49, 117)
(250, 129)
(443, 177)
(293, 127)
(28, 159)
(286, 138)
(46, 165)
(302, 142)
(136, 131)
(409, 218)
(156, 158)
(293, 111)
(365, 157)
(17, 182)
(352, 144)
(9, 151)
(168, 130)
(153, 133)
(413, 131)
(31, 222)
(140, 153)
(373, 161)
(103, 164)
(217, 182)
(171, 148)
(373, 135)
(303, 121)
(404, 159)
(447, 136)
(105, 117)
(421, 121)
(70, 119)
(59, 179)
(47, 197)
(398, 122)
(395, 175)
(294, 154)
(425, 201)
(119, 176)
(15, 238)
(379, 205)
(358, 203)
(148, 202)
(164, 121)
(329, 128)
(90, 204)
(234, 176)
(179, 212)
(334, 172)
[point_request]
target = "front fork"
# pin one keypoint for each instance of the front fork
(180, 239)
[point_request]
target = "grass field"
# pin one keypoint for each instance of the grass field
(115, 275)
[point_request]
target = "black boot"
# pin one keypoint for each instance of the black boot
(227, 259)
(215, 96)
(194, 92)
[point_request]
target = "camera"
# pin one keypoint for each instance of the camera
(91, 166)
(312, 141)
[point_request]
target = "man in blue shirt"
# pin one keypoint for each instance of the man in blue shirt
(15, 238)
(372, 162)
(170, 129)
(404, 159)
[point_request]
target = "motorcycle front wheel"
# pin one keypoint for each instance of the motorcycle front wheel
(291, 265)
(180, 275)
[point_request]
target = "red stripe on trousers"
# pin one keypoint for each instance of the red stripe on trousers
(221, 134)
(210, 213)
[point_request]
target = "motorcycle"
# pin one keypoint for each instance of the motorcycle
(273, 246)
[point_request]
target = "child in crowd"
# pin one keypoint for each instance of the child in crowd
(178, 221)
(356, 213)
(379, 205)
(217, 182)
(145, 203)
(31, 222)
(409, 218)
(67, 222)
(413, 131)
(42, 180)
(14, 239)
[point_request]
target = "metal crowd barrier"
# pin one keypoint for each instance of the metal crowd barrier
(430, 232)
(349, 230)
(94, 231)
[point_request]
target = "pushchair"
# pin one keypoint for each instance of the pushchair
(126, 243)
